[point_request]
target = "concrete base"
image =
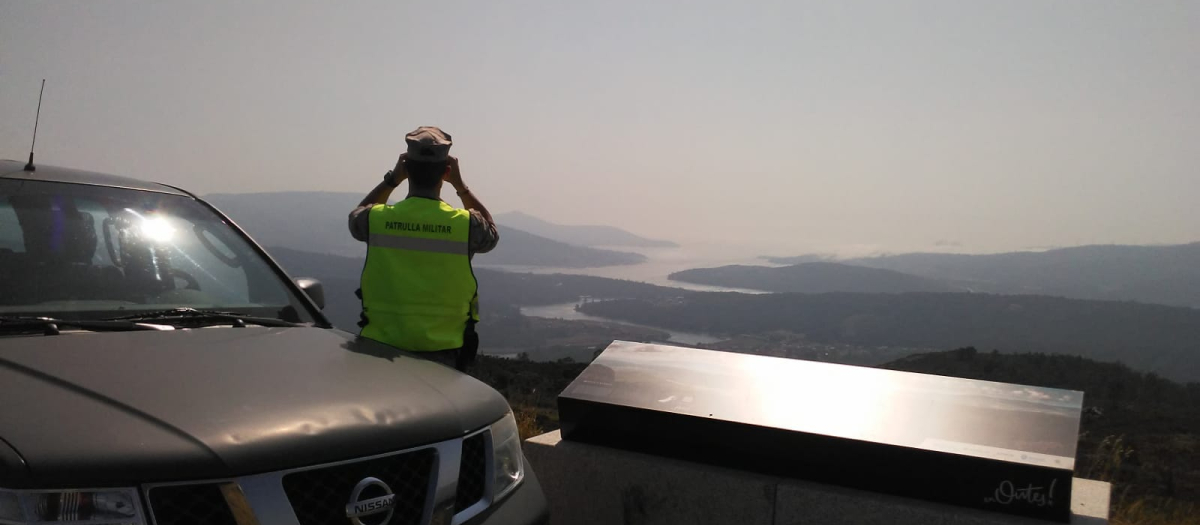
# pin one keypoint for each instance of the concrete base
(588, 484)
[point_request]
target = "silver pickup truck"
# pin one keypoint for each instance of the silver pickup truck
(157, 367)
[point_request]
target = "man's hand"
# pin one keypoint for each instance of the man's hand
(400, 173)
(454, 174)
(383, 190)
(470, 202)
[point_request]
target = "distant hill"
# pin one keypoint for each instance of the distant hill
(813, 277)
(800, 259)
(1162, 339)
(521, 248)
(314, 220)
(317, 221)
(1154, 274)
(582, 235)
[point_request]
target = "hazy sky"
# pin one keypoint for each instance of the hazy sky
(794, 126)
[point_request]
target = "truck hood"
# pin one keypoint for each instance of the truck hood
(102, 409)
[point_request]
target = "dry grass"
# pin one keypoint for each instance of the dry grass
(527, 422)
(1106, 465)
(1156, 511)
(1107, 461)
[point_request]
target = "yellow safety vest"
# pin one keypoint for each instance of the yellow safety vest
(418, 290)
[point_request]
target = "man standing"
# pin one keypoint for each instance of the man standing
(418, 290)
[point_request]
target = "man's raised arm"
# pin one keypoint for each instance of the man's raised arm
(360, 224)
(484, 238)
(470, 201)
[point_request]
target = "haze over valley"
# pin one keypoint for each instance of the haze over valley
(854, 310)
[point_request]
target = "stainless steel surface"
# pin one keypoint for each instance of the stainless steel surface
(1000, 447)
(1030, 425)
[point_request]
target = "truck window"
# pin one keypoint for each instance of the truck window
(101, 252)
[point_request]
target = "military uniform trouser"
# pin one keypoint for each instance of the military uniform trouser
(461, 358)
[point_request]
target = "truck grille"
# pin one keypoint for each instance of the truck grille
(190, 505)
(472, 473)
(319, 496)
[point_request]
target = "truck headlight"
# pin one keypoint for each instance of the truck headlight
(507, 466)
(95, 506)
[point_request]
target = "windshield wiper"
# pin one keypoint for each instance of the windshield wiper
(192, 315)
(52, 326)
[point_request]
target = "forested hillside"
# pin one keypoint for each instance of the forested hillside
(814, 277)
(1147, 337)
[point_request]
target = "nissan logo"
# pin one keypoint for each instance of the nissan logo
(371, 503)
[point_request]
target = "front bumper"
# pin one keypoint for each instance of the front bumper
(265, 496)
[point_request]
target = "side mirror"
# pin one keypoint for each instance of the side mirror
(314, 289)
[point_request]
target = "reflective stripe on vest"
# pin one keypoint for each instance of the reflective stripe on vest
(418, 244)
(417, 284)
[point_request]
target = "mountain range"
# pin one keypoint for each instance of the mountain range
(1162, 339)
(317, 221)
(582, 235)
(813, 277)
(1167, 275)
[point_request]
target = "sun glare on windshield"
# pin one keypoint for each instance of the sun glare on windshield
(156, 229)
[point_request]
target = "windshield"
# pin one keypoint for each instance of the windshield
(89, 252)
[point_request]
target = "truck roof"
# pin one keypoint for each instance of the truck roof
(13, 169)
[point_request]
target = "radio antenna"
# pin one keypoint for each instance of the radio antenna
(30, 166)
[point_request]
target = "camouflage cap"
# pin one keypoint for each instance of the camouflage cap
(428, 144)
